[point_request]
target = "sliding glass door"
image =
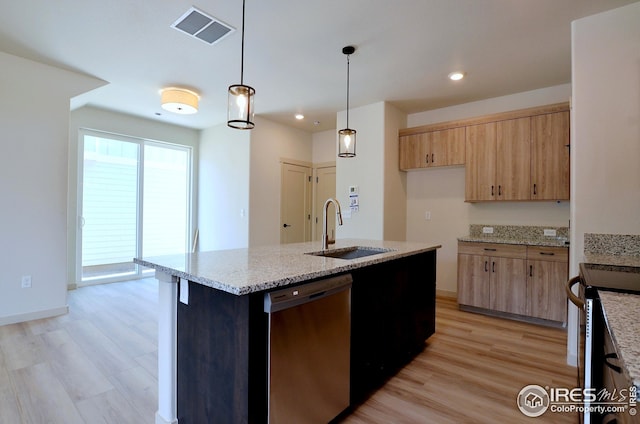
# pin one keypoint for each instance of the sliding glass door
(135, 202)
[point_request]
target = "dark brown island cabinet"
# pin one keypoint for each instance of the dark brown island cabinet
(222, 340)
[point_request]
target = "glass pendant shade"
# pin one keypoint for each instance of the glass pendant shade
(240, 109)
(347, 143)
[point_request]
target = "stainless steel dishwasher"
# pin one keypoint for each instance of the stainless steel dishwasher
(309, 351)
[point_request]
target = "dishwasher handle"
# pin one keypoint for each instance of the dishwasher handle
(298, 295)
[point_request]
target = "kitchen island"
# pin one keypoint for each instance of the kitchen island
(212, 341)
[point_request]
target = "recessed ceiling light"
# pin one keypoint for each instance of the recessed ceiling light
(299, 116)
(456, 76)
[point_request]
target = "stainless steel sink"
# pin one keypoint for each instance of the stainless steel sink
(353, 252)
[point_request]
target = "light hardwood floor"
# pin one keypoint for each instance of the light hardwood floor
(98, 364)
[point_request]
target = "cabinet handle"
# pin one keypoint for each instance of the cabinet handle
(493, 267)
(499, 190)
(426, 158)
(432, 158)
(486, 263)
(490, 249)
(535, 189)
(547, 253)
(530, 270)
(492, 190)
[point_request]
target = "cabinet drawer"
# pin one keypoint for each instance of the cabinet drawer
(493, 249)
(551, 254)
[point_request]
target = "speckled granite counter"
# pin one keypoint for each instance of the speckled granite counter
(622, 312)
(515, 234)
(243, 271)
(612, 250)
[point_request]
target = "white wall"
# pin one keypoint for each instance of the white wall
(324, 146)
(117, 123)
(34, 117)
(441, 191)
(605, 132)
(271, 142)
(395, 181)
(224, 172)
(365, 170)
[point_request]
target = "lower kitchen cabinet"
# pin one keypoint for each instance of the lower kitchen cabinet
(547, 272)
(491, 276)
(516, 280)
(392, 314)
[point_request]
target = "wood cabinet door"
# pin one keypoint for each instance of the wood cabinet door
(473, 280)
(437, 143)
(550, 156)
(513, 159)
(480, 162)
(453, 141)
(508, 285)
(415, 150)
(546, 297)
(410, 151)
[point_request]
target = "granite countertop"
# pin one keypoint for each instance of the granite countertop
(243, 271)
(622, 313)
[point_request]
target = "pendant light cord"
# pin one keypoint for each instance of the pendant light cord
(347, 91)
(242, 50)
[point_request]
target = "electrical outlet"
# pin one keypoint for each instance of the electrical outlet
(487, 230)
(427, 215)
(26, 281)
(549, 233)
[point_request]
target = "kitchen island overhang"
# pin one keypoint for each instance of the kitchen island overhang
(240, 276)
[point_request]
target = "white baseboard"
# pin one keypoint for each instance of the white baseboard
(446, 293)
(30, 316)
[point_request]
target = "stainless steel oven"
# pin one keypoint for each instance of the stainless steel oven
(592, 328)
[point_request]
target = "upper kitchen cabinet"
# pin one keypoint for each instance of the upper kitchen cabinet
(480, 173)
(426, 149)
(497, 159)
(550, 156)
(517, 155)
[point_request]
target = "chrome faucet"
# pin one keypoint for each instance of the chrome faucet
(326, 241)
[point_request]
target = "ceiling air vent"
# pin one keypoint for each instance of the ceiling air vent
(204, 27)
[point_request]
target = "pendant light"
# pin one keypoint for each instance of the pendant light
(240, 112)
(347, 136)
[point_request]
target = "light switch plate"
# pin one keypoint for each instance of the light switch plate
(487, 230)
(550, 233)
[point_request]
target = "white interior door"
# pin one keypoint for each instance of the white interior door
(325, 188)
(295, 206)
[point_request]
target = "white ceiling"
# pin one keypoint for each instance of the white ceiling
(293, 51)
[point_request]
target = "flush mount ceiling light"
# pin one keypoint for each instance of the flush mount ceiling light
(456, 76)
(299, 116)
(347, 136)
(179, 100)
(240, 110)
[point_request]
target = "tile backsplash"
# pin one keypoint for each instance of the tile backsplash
(612, 244)
(519, 232)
